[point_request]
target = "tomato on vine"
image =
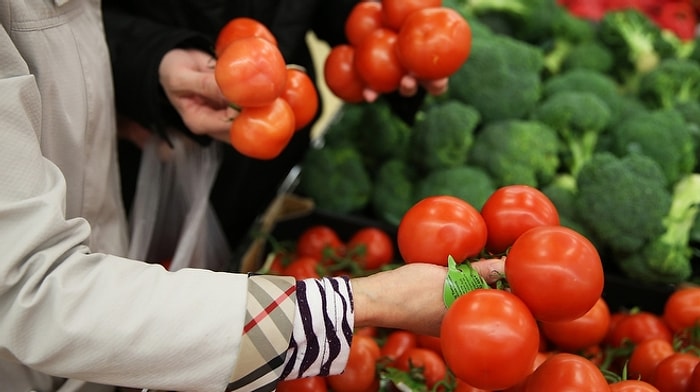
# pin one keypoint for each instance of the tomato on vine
(567, 372)
(241, 27)
(306, 384)
(262, 132)
(377, 63)
(371, 248)
(320, 242)
(341, 75)
(360, 372)
(301, 95)
(394, 12)
(365, 17)
(432, 366)
(646, 356)
(682, 309)
(582, 332)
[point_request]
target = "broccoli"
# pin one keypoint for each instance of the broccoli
(342, 129)
(501, 79)
(562, 192)
(672, 82)
(382, 134)
(468, 183)
(517, 152)
(578, 117)
(569, 32)
(393, 191)
(590, 55)
(335, 178)
(667, 258)
(442, 135)
(663, 135)
(691, 113)
(622, 201)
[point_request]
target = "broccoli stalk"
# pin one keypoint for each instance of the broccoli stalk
(634, 33)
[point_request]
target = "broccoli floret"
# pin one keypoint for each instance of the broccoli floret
(674, 81)
(662, 135)
(590, 55)
(562, 192)
(382, 134)
(501, 79)
(393, 191)
(342, 129)
(468, 183)
(335, 178)
(517, 152)
(691, 113)
(442, 135)
(622, 201)
(578, 117)
(667, 258)
(569, 33)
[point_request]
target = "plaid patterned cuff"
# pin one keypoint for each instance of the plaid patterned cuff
(270, 310)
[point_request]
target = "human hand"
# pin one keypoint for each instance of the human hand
(187, 77)
(410, 297)
(409, 87)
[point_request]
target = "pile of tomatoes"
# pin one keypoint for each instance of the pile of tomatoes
(273, 99)
(389, 39)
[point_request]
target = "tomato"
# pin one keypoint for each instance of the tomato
(556, 271)
(464, 387)
(582, 332)
(301, 95)
(377, 61)
(360, 372)
(433, 367)
(251, 72)
(262, 132)
(632, 386)
(489, 339)
(371, 247)
(639, 326)
(302, 267)
(694, 383)
(439, 226)
(430, 342)
(567, 372)
(512, 210)
(433, 43)
(674, 372)
(365, 17)
(395, 11)
(238, 28)
(678, 17)
(682, 309)
(320, 242)
(646, 356)
(539, 359)
(397, 343)
(308, 384)
(341, 75)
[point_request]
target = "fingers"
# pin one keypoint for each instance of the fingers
(490, 269)
(203, 119)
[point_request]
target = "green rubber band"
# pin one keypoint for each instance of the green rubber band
(460, 280)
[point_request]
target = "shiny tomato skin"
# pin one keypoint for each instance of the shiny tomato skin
(489, 339)
(307, 384)
(682, 309)
(512, 210)
(394, 12)
(582, 332)
(365, 17)
(556, 271)
(433, 365)
(440, 226)
(632, 386)
(646, 356)
(360, 372)
(434, 42)
(320, 242)
(302, 267)
(251, 72)
(673, 374)
(371, 247)
(397, 343)
(430, 342)
(639, 326)
(241, 27)
(377, 61)
(539, 359)
(567, 372)
(301, 95)
(341, 75)
(694, 383)
(262, 132)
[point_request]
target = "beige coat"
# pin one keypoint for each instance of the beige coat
(66, 309)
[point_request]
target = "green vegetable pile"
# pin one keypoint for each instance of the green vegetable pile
(603, 117)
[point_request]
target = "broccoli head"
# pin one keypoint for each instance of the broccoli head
(342, 129)
(590, 55)
(335, 178)
(622, 201)
(501, 79)
(382, 134)
(517, 152)
(663, 135)
(393, 191)
(579, 117)
(468, 183)
(443, 134)
(674, 81)
(562, 192)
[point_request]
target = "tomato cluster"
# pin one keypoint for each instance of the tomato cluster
(273, 99)
(389, 39)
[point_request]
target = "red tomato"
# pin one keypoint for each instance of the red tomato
(678, 17)
(432, 365)
(395, 11)
(582, 332)
(320, 242)
(397, 343)
(682, 309)
(638, 327)
(371, 247)
(341, 75)
(377, 61)
(439, 226)
(674, 372)
(430, 342)
(360, 372)
(303, 267)
(556, 271)
(632, 386)
(567, 372)
(464, 387)
(238, 28)
(308, 384)
(251, 72)
(301, 95)
(262, 132)
(694, 383)
(433, 43)
(539, 359)
(646, 356)
(512, 210)
(489, 339)
(365, 17)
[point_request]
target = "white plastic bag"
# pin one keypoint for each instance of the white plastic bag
(171, 218)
